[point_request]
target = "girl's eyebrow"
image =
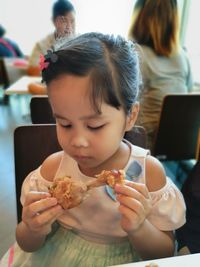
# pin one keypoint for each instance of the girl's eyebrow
(87, 117)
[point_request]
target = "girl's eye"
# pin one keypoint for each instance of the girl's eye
(95, 128)
(65, 126)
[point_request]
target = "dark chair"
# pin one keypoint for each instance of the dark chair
(177, 133)
(4, 80)
(137, 136)
(41, 110)
(198, 147)
(33, 143)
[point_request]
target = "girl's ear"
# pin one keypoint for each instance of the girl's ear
(132, 117)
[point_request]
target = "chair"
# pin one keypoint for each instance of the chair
(33, 143)
(198, 147)
(137, 136)
(4, 81)
(177, 133)
(41, 110)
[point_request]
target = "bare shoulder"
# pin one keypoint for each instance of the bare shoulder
(50, 165)
(155, 174)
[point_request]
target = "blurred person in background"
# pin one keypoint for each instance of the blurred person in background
(164, 64)
(8, 48)
(63, 17)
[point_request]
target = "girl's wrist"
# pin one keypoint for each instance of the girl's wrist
(138, 231)
(36, 234)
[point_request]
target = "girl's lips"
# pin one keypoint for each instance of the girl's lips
(79, 157)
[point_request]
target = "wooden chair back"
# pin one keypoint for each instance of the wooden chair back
(40, 110)
(32, 144)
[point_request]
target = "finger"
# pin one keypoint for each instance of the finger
(140, 187)
(127, 193)
(126, 212)
(130, 192)
(33, 196)
(40, 206)
(132, 204)
(47, 216)
(130, 220)
(136, 187)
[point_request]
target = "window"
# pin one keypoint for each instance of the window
(192, 39)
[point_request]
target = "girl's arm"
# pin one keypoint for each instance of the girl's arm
(151, 243)
(39, 212)
(135, 206)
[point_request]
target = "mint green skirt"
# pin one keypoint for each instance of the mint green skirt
(65, 248)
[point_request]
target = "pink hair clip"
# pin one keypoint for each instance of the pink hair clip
(43, 65)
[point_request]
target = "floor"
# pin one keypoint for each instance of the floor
(12, 115)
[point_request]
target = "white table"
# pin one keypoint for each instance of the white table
(21, 85)
(192, 260)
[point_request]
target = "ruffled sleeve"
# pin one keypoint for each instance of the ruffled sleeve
(168, 212)
(34, 182)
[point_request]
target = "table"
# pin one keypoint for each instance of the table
(178, 261)
(21, 85)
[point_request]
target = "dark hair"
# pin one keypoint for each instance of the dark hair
(155, 24)
(111, 62)
(61, 7)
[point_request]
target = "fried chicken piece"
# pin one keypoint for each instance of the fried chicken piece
(70, 193)
(110, 178)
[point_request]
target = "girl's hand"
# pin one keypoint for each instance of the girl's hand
(135, 205)
(40, 211)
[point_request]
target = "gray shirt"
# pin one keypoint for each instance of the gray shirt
(161, 76)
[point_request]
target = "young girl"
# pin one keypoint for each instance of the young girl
(92, 83)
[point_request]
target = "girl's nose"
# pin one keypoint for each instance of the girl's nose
(79, 141)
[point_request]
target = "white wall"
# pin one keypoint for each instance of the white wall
(27, 21)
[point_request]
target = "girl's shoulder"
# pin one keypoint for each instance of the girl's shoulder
(50, 166)
(152, 171)
(155, 174)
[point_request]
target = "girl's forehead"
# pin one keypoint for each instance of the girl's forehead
(77, 90)
(69, 83)
(70, 92)
(71, 89)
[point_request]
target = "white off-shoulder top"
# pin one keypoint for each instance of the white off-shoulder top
(97, 218)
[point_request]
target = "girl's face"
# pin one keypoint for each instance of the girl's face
(92, 139)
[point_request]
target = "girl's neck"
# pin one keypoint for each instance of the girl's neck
(118, 161)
